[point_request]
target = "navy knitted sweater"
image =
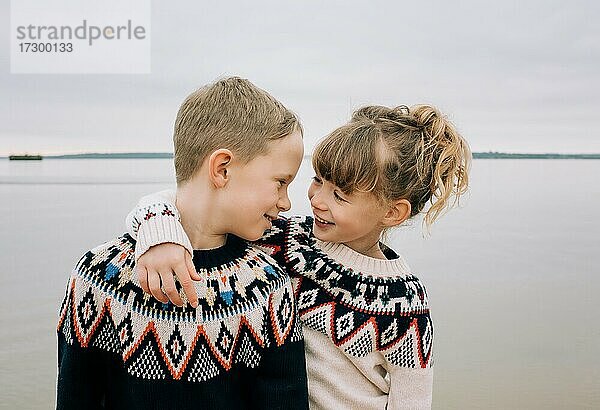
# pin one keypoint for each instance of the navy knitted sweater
(119, 348)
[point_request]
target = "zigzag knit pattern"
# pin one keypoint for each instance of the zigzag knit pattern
(360, 313)
(246, 306)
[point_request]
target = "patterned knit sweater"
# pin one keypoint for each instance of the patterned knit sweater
(119, 348)
(366, 322)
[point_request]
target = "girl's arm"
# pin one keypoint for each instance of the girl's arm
(410, 388)
(161, 245)
(162, 249)
(156, 220)
(410, 364)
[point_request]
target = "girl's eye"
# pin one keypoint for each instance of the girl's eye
(316, 179)
(338, 197)
(282, 182)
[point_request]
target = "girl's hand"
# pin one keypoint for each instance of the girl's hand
(157, 266)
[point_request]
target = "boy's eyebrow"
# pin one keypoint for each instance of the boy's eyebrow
(287, 177)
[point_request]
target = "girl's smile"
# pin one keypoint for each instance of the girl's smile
(320, 222)
(352, 219)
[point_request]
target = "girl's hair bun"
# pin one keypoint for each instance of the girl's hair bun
(380, 113)
(432, 122)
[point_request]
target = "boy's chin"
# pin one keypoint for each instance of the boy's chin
(255, 237)
(252, 235)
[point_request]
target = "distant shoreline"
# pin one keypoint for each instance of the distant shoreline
(505, 155)
(168, 155)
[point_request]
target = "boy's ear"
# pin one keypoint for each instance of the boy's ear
(398, 212)
(218, 164)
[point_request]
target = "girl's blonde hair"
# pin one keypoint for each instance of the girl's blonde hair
(398, 153)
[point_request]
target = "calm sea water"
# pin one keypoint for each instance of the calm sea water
(512, 275)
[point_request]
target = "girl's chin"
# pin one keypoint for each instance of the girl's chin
(323, 234)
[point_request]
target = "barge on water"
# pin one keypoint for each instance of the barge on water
(25, 157)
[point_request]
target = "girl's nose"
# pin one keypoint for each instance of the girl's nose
(316, 201)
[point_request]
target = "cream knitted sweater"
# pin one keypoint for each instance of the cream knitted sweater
(367, 329)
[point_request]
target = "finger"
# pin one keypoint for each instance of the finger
(154, 286)
(192, 270)
(168, 284)
(183, 276)
(142, 275)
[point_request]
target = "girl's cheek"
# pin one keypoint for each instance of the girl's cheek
(311, 190)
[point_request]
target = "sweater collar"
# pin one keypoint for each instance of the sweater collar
(234, 248)
(348, 257)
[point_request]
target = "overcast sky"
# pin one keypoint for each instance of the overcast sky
(515, 76)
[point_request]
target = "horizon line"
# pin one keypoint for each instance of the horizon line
(166, 155)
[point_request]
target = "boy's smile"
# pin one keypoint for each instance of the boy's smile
(258, 189)
(237, 197)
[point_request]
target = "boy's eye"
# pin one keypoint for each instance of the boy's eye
(282, 182)
(316, 179)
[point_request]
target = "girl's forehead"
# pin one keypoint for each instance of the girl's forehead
(355, 193)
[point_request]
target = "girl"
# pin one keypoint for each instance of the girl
(366, 320)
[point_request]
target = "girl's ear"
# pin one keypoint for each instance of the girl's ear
(218, 164)
(398, 212)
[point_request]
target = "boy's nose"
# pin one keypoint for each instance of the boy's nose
(284, 203)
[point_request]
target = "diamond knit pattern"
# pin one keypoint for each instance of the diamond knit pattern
(359, 312)
(105, 308)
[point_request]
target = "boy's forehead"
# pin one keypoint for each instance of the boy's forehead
(289, 145)
(285, 155)
(282, 166)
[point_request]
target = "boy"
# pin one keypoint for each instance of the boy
(236, 151)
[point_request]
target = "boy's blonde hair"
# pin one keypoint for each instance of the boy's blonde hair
(231, 113)
(398, 153)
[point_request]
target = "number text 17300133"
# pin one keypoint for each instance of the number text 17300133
(45, 47)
